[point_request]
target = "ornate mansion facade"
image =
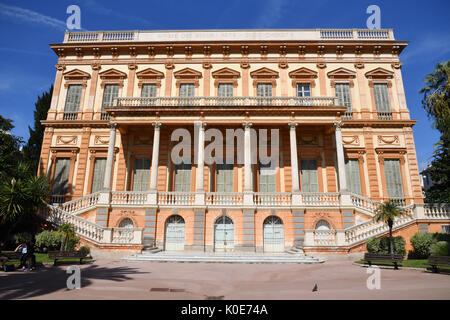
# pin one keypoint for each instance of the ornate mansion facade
(137, 116)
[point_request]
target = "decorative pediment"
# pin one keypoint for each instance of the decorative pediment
(187, 73)
(76, 74)
(226, 73)
(303, 73)
(264, 73)
(379, 73)
(150, 74)
(341, 73)
(112, 74)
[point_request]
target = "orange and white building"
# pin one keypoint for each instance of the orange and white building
(335, 97)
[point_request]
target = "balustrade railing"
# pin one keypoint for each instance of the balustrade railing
(364, 203)
(324, 237)
(176, 198)
(272, 199)
(81, 203)
(320, 198)
(224, 198)
(70, 115)
(133, 102)
(384, 115)
(128, 197)
(437, 211)
(57, 198)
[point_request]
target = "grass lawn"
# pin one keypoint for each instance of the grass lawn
(43, 258)
(411, 263)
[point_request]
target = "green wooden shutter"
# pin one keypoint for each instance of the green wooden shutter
(225, 90)
(99, 174)
(343, 95)
(381, 96)
(264, 90)
(393, 178)
(110, 93)
(183, 177)
(148, 90)
(225, 178)
(267, 180)
(187, 90)
(73, 98)
(61, 178)
(141, 177)
(352, 175)
(309, 176)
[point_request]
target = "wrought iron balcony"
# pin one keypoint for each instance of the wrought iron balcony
(139, 102)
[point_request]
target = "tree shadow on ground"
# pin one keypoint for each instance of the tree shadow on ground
(49, 279)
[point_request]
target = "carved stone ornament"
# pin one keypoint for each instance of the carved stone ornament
(350, 140)
(66, 140)
(101, 140)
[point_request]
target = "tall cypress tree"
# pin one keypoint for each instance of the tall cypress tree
(32, 150)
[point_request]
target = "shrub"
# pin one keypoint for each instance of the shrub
(440, 248)
(372, 245)
(421, 243)
(48, 241)
(21, 237)
(85, 249)
(441, 236)
(381, 245)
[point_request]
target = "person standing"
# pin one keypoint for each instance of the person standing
(22, 250)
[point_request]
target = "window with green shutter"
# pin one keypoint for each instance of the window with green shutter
(393, 178)
(343, 95)
(381, 95)
(99, 174)
(225, 90)
(148, 90)
(110, 93)
(264, 90)
(352, 175)
(73, 98)
(309, 176)
(267, 178)
(61, 177)
(183, 177)
(141, 177)
(187, 90)
(225, 178)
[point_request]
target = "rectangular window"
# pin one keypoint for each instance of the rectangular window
(183, 177)
(343, 95)
(61, 177)
(99, 174)
(148, 90)
(352, 175)
(225, 90)
(303, 90)
(264, 90)
(381, 95)
(141, 177)
(267, 178)
(110, 93)
(393, 178)
(187, 90)
(225, 175)
(309, 176)
(446, 229)
(73, 98)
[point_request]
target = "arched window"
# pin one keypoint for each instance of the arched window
(126, 223)
(322, 225)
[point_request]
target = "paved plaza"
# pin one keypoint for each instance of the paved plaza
(119, 279)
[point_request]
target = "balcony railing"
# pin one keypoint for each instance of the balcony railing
(384, 115)
(139, 102)
(70, 115)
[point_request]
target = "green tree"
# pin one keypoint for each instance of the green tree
(32, 149)
(387, 212)
(436, 103)
(10, 153)
(68, 232)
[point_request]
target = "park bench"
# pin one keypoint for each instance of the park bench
(373, 257)
(435, 261)
(56, 255)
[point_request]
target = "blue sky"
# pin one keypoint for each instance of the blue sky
(28, 27)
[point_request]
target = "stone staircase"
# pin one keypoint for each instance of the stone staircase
(232, 257)
(298, 251)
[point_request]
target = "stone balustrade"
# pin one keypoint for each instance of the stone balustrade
(279, 199)
(206, 101)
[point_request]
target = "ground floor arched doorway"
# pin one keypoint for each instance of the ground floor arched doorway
(273, 234)
(223, 234)
(175, 233)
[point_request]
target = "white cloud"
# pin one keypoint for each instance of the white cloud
(31, 16)
(429, 47)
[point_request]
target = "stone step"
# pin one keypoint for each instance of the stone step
(164, 257)
(151, 250)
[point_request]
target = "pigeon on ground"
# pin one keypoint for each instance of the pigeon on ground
(315, 288)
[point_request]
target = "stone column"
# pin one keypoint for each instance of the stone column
(345, 198)
(248, 186)
(199, 177)
(155, 156)
(296, 198)
(110, 158)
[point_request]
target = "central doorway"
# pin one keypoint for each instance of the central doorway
(273, 233)
(223, 234)
(175, 230)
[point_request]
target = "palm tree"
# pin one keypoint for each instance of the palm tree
(68, 232)
(387, 212)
